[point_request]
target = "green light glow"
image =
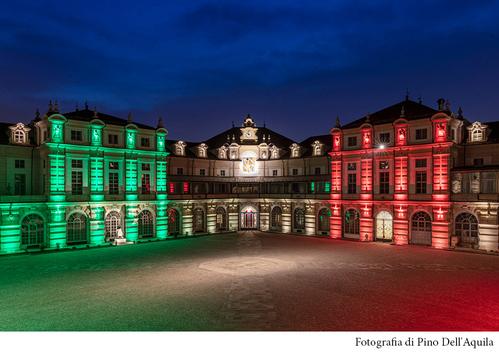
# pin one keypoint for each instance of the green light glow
(131, 176)
(130, 138)
(327, 186)
(312, 186)
(161, 179)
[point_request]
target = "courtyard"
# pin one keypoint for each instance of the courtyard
(250, 281)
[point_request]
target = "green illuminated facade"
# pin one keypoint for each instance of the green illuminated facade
(81, 179)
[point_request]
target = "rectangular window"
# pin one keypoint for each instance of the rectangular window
(317, 170)
(421, 134)
(420, 163)
(76, 135)
(19, 163)
(478, 161)
(112, 139)
(420, 182)
(384, 182)
(114, 165)
(384, 165)
(146, 184)
(352, 141)
(222, 173)
(202, 172)
(352, 183)
(384, 137)
(114, 184)
(76, 163)
(295, 171)
(488, 183)
(274, 172)
(146, 166)
(180, 171)
(76, 182)
(145, 142)
(20, 184)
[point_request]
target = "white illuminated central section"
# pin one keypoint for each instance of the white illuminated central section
(249, 165)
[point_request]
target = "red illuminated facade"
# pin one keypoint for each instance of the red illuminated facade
(390, 175)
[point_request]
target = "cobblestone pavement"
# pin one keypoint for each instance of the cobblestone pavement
(250, 281)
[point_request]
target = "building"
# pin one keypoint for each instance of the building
(81, 179)
(407, 174)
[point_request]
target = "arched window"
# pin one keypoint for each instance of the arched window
(146, 224)
(421, 228)
(221, 219)
(352, 222)
(19, 136)
(477, 135)
(32, 230)
(276, 218)
(173, 222)
(299, 219)
(76, 230)
(112, 224)
(466, 228)
(198, 221)
(323, 220)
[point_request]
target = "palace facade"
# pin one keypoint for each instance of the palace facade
(407, 174)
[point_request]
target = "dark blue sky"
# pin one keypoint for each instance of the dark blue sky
(203, 64)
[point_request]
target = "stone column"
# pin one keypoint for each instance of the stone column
(187, 220)
(10, 231)
(286, 218)
(264, 217)
(97, 227)
(310, 220)
(57, 226)
(211, 218)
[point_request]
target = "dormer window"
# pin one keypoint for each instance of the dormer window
(202, 150)
(222, 152)
(19, 134)
(274, 152)
(180, 148)
(234, 151)
(477, 132)
(317, 148)
(295, 150)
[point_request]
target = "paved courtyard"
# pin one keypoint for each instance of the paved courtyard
(250, 281)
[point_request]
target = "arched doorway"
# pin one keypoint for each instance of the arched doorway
(249, 218)
(421, 228)
(276, 219)
(323, 222)
(146, 224)
(384, 226)
(76, 229)
(173, 222)
(466, 229)
(220, 219)
(32, 231)
(198, 223)
(299, 220)
(112, 224)
(351, 228)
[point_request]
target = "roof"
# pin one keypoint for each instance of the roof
(412, 111)
(226, 137)
(4, 133)
(89, 115)
(494, 130)
(307, 143)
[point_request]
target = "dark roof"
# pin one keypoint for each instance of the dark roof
(275, 138)
(307, 144)
(89, 115)
(4, 133)
(494, 130)
(412, 111)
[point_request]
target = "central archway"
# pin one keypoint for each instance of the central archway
(248, 218)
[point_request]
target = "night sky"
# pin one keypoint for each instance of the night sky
(203, 64)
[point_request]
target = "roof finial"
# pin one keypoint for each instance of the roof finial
(160, 123)
(56, 107)
(51, 107)
(440, 103)
(232, 123)
(407, 94)
(402, 111)
(37, 114)
(338, 123)
(264, 124)
(86, 105)
(129, 118)
(447, 105)
(460, 113)
(420, 100)
(77, 108)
